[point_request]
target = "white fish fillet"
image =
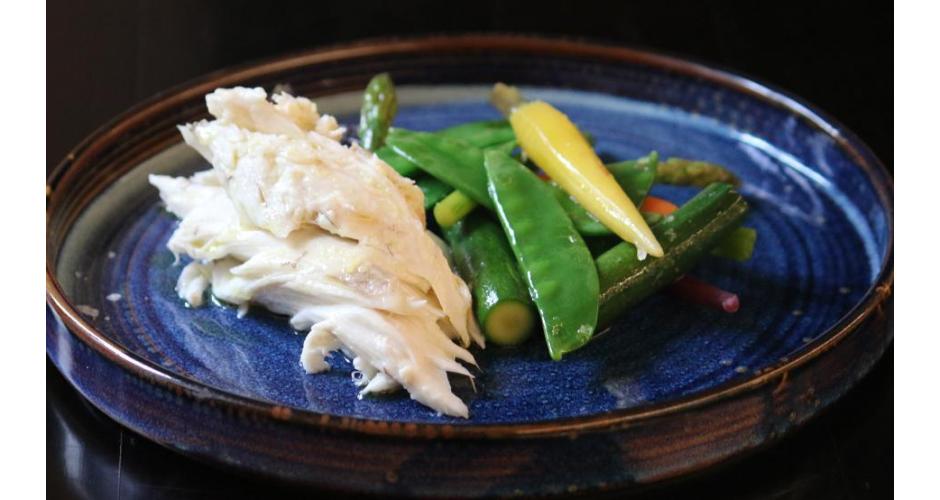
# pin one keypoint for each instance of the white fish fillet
(291, 219)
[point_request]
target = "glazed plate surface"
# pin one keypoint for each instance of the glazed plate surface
(820, 202)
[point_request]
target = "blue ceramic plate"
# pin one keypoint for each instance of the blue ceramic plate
(672, 387)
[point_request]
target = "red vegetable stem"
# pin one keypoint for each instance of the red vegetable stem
(699, 292)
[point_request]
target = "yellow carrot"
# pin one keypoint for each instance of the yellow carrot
(550, 139)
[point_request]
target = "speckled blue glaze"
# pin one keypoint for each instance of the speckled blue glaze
(822, 237)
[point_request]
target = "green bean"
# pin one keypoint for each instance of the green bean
(682, 172)
(379, 106)
(452, 161)
(485, 261)
(556, 264)
(686, 235)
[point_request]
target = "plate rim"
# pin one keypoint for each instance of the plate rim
(872, 302)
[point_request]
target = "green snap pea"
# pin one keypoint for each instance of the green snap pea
(555, 262)
(456, 205)
(379, 105)
(507, 147)
(452, 161)
(482, 134)
(399, 163)
(686, 235)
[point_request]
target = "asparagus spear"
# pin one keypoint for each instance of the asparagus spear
(683, 172)
(379, 106)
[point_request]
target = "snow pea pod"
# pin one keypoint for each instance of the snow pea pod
(452, 161)
(507, 147)
(482, 134)
(455, 206)
(399, 163)
(379, 105)
(556, 264)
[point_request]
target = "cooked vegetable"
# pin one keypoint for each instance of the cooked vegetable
(485, 261)
(554, 260)
(739, 245)
(495, 134)
(652, 218)
(379, 106)
(482, 134)
(584, 222)
(505, 98)
(550, 139)
(699, 292)
(686, 235)
(636, 177)
(433, 189)
(657, 205)
(399, 163)
(682, 172)
(454, 162)
(452, 208)
(507, 147)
